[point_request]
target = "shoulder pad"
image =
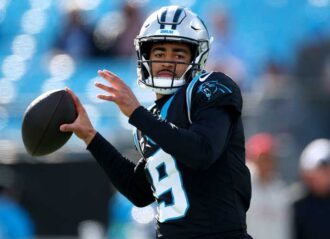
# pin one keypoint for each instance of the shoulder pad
(213, 90)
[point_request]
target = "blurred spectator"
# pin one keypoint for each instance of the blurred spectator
(275, 106)
(115, 32)
(312, 74)
(268, 215)
(311, 209)
(312, 63)
(275, 94)
(15, 223)
(76, 39)
(274, 82)
(225, 54)
(124, 45)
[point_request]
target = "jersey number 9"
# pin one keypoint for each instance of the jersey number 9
(167, 187)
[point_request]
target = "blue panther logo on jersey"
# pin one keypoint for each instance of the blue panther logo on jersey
(211, 89)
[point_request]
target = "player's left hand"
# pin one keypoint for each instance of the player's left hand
(119, 93)
(82, 126)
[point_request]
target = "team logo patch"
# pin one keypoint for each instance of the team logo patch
(211, 89)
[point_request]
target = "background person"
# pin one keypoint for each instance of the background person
(268, 216)
(311, 209)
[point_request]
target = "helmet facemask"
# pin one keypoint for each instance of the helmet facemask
(171, 24)
(163, 85)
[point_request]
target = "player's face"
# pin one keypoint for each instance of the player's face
(169, 59)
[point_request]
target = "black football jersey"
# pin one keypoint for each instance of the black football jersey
(192, 144)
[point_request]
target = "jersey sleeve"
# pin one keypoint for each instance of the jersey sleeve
(199, 146)
(214, 103)
(128, 178)
(217, 90)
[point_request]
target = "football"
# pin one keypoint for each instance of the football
(42, 119)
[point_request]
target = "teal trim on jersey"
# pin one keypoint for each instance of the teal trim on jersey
(191, 86)
(163, 112)
(229, 90)
(189, 92)
(163, 115)
(150, 141)
(136, 141)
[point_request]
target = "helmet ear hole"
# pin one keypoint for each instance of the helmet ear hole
(145, 49)
(193, 51)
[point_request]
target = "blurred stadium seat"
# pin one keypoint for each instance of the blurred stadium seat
(28, 30)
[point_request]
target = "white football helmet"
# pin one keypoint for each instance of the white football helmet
(172, 24)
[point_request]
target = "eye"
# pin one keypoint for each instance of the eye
(158, 54)
(181, 57)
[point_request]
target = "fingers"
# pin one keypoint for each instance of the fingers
(110, 73)
(116, 88)
(75, 99)
(108, 89)
(107, 97)
(73, 127)
(107, 73)
(111, 78)
(65, 128)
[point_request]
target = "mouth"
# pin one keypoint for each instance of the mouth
(165, 73)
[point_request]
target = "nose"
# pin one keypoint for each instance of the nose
(168, 63)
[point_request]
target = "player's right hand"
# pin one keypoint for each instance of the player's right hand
(82, 126)
(118, 92)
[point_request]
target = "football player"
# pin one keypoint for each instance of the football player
(191, 140)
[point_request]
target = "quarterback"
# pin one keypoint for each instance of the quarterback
(191, 140)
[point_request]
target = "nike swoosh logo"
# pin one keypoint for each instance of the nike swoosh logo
(201, 79)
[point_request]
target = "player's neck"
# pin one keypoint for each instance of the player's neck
(159, 96)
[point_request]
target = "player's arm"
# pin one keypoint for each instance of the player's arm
(128, 178)
(199, 146)
(204, 141)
